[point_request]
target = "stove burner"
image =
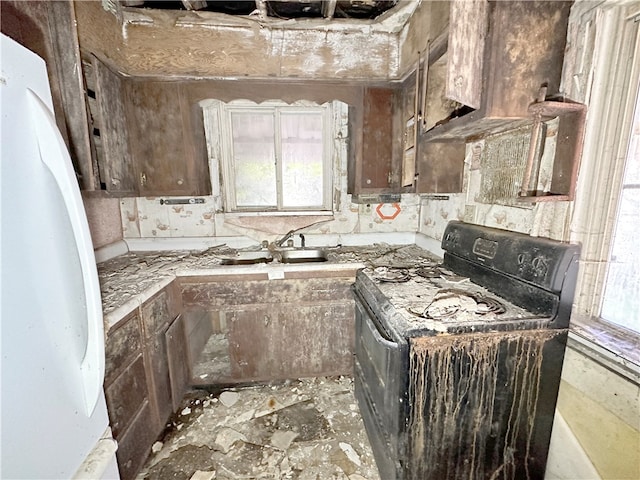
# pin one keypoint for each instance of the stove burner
(429, 272)
(488, 305)
(390, 274)
(450, 303)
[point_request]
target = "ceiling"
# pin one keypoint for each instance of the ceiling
(277, 9)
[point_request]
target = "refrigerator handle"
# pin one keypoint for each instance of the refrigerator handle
(54, 154)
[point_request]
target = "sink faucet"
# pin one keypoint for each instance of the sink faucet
(287, 236)
(302, 241)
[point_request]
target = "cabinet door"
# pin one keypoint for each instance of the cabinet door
(111, 135)
(178, 359)
(135, 444)
(157, 314)
(166, 160)
(379, 168)
(160, 384)
(160, 310)
(468, 20)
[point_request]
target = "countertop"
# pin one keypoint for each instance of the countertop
(128, 280)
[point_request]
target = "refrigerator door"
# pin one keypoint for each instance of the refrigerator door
(53, 407)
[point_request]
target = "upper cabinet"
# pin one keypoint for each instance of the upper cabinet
(164, 146)
(145, 135)
(497, 55)
(376, 142)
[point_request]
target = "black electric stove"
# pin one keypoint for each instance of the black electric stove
(458, 362)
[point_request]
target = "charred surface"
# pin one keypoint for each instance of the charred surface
(480, 407)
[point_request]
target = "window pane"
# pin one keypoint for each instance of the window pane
(254, 159)
(302, 159)
(621, 303)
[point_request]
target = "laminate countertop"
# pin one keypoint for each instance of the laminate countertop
(128, 280)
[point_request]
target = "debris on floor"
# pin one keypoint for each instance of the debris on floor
(307, 429)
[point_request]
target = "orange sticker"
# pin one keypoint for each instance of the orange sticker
(387, 215)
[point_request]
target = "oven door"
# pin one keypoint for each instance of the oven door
(381, 378)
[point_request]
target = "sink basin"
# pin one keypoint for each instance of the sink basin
(248, 258)
(303, 256)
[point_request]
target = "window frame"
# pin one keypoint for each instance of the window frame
(608, 82)
(219, 132)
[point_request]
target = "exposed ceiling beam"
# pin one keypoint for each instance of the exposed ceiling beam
(194, 4)
(329, 8)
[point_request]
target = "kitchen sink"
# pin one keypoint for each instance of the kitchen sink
(247, 258)
(303, 256)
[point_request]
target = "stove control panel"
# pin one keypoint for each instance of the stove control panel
(540, 261)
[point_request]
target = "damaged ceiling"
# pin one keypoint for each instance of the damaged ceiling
(278, 9)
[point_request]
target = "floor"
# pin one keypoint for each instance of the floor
(307, 429)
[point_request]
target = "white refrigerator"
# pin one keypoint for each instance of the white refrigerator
(54, 422)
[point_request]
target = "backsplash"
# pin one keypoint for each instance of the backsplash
(145, 217)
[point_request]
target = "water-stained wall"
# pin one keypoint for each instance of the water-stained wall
(483, 201)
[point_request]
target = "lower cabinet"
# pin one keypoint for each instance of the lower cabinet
(139, 386)
(263, 330)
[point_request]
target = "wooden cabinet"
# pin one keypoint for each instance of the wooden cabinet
(377, 167)
(275, 329)
(140, 391)
(167, 161)
(499, 55)
(111, 140)
(480, 77)
(128, 395)
(144, 140)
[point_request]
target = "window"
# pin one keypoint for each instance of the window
(621, 303)
(271, 156)
(604, 73)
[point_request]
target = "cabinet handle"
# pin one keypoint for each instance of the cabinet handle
(143, 179)
(267, 320)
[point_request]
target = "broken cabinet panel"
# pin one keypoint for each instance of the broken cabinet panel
(523, 50)
(568, 150)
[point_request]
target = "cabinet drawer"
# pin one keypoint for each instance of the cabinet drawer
(161, 309)
(134, 446)
(125, 396)
(122, 343)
